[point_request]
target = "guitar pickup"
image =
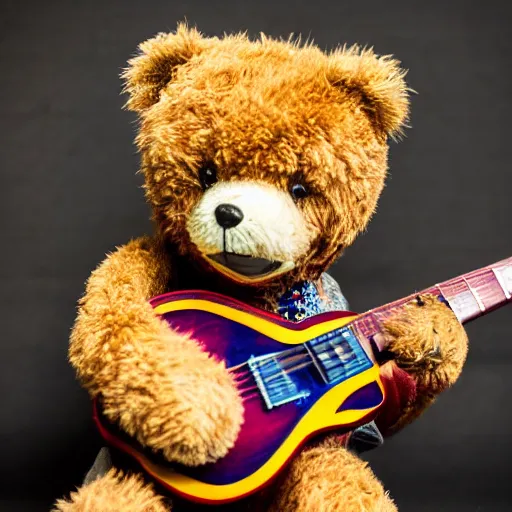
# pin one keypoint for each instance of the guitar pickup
(338, 355)
(275, 385)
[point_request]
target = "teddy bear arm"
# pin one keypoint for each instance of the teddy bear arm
(114, 303)
(157, 384)
(113, 492)
(329, 477)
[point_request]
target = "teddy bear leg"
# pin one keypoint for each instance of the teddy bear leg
(111, 493)
(329, 478)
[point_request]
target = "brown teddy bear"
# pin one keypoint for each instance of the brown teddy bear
(263, 160)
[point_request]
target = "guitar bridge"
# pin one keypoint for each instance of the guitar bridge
(275, 385)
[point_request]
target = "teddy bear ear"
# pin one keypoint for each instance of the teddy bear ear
(154, 66)
(379, 81)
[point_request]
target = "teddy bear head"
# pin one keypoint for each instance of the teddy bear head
(263, 160)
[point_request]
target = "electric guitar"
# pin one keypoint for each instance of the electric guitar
(296, 379)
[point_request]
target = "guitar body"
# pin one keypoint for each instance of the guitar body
(296, 380)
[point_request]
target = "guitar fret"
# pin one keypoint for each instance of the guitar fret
(475, 295)
(489, 289)
(461, 299)
(505, 271)
(501, 282)
(367, 325)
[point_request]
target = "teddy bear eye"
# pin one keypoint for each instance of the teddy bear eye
(208, 175)
(299, 191)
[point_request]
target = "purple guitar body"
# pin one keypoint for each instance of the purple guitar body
(295, 379)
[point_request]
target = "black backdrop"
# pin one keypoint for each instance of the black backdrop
(69, 194)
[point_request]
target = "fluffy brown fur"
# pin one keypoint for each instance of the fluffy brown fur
(329, 478)
(159, 386)
(430, 344)
(114, 492)
(268, 112)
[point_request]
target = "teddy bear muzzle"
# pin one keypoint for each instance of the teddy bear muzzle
(249, 231)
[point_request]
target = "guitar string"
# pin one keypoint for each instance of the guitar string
(292, 359)
(257, 394)
(276, 375)
(279, 355)
(278, 359)
(281, 361)
(284, 370)
(285, 353)
(289, 358)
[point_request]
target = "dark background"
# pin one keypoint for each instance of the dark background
(69, 194)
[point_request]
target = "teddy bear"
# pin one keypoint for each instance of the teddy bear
(263, 160)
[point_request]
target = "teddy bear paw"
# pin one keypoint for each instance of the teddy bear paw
(427, 340)
(187, 409)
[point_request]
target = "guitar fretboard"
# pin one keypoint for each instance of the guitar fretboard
(470, 296)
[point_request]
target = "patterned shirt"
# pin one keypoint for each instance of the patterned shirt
(304, 300)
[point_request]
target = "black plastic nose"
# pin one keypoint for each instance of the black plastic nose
(228, 215)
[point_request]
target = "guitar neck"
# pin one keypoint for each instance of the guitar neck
(470, 296)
